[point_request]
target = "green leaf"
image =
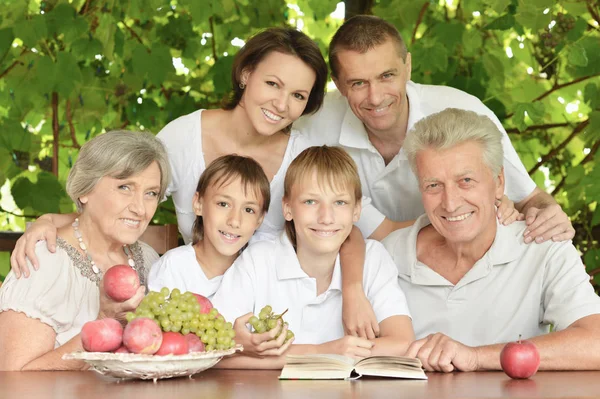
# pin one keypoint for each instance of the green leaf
(430, 59)
(140, 60)
(591, 95)
(30, 31)
(46, 73)
(6, 39)
(105, 32)
(498, 5)
(13, 137)
(578, 30)
(504, 22)
(472, 41)
(68, 74)
(322, 8)
(43, 196)
(221, 75)
(535, 111)
(448, 34)
(161, 64)
(596, 217)
(577, 55)
(494, 67)
(87, 48)
(532, 16)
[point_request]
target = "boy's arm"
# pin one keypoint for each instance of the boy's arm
(44, 228)
(396, 336)
(357, 314)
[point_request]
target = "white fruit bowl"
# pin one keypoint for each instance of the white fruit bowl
(149, 367)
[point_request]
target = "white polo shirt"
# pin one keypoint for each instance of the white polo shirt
(268, 273)
(516, 288)
(179, 268)
(393, 188)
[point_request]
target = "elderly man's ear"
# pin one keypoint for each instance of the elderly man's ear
(499, 180)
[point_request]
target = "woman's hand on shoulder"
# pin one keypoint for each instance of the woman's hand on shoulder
(270, 343)
(42, 229)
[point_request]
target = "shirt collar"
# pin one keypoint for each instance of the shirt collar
(507, 247)
(289, 267)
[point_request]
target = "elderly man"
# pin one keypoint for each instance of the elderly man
(377, 104)
(472, 283)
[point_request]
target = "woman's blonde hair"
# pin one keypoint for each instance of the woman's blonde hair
(118, 154)
(334, 168)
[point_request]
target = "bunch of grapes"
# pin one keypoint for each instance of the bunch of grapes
(266, 321)
(179, 312)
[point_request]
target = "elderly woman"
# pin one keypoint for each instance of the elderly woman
(116, 183)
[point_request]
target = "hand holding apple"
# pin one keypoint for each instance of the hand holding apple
(520, 359)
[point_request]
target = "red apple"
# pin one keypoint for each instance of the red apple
(121, 282)
(194, 343)
(205, 303)
(103, 335)
(122, 349)
(173, 343)
(142, 335)
(520, 359)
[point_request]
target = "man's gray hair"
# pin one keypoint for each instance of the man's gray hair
(451, 127)
(118, 154)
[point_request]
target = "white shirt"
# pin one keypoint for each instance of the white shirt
(515, 288)
(179, 268)
(393, 188)
(182, 138)
(268, 273)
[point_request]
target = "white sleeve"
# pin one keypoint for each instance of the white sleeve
(381, 283)
(370, 218)
(235, 297)
(567, 293)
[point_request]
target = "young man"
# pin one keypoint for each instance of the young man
(377, 105)
(472, 283)
(300, 271)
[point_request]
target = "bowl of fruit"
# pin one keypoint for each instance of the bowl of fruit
(171, 334)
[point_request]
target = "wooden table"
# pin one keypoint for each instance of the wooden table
(216, 384)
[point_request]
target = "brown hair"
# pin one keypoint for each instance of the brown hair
(287, 41)
(362, 33)
(333, 166)
(225, 169)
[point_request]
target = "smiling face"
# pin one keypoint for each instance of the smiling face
(374, 83)
(459, 191)
(121, 209)
(323, 215)
(276, 92)
(230, 215)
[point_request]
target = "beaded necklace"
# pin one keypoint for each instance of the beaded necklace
(83, 247)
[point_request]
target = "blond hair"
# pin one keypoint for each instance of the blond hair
(333, 167)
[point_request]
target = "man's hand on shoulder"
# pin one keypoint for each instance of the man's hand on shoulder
(438, 352)
(545, 219)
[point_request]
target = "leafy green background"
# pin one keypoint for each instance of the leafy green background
(71, 69)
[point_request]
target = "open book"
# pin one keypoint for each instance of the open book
(329, 367)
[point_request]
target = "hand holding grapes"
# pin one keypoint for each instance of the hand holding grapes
(268, 343)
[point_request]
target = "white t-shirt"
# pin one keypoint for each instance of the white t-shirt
(179, 268)
(268, 273)
(515, 288)
(182, 138)
(393, 188)
(63, 293)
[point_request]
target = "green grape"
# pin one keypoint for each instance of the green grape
(175, 327)
(185, 331)
(188, 296)
(212, 340)
(196, 307)
(220, 317)
(253, 321)
(289, 335)
(176, 293)
(219, 324)
(232, 344)
(261, 327)
(211, 332)
(129, 316)
(228, 325)
(263, 316)
(160, 299)
(204, 338)
(194, 322)
(165, 323)
(271, 324)
(183, 306)
(221, 347)
(210, 325)
(267, 309)
(213, 312)
(226, 341)
(231, 333)
(165, 292)
(209, 348)
(203, 317)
